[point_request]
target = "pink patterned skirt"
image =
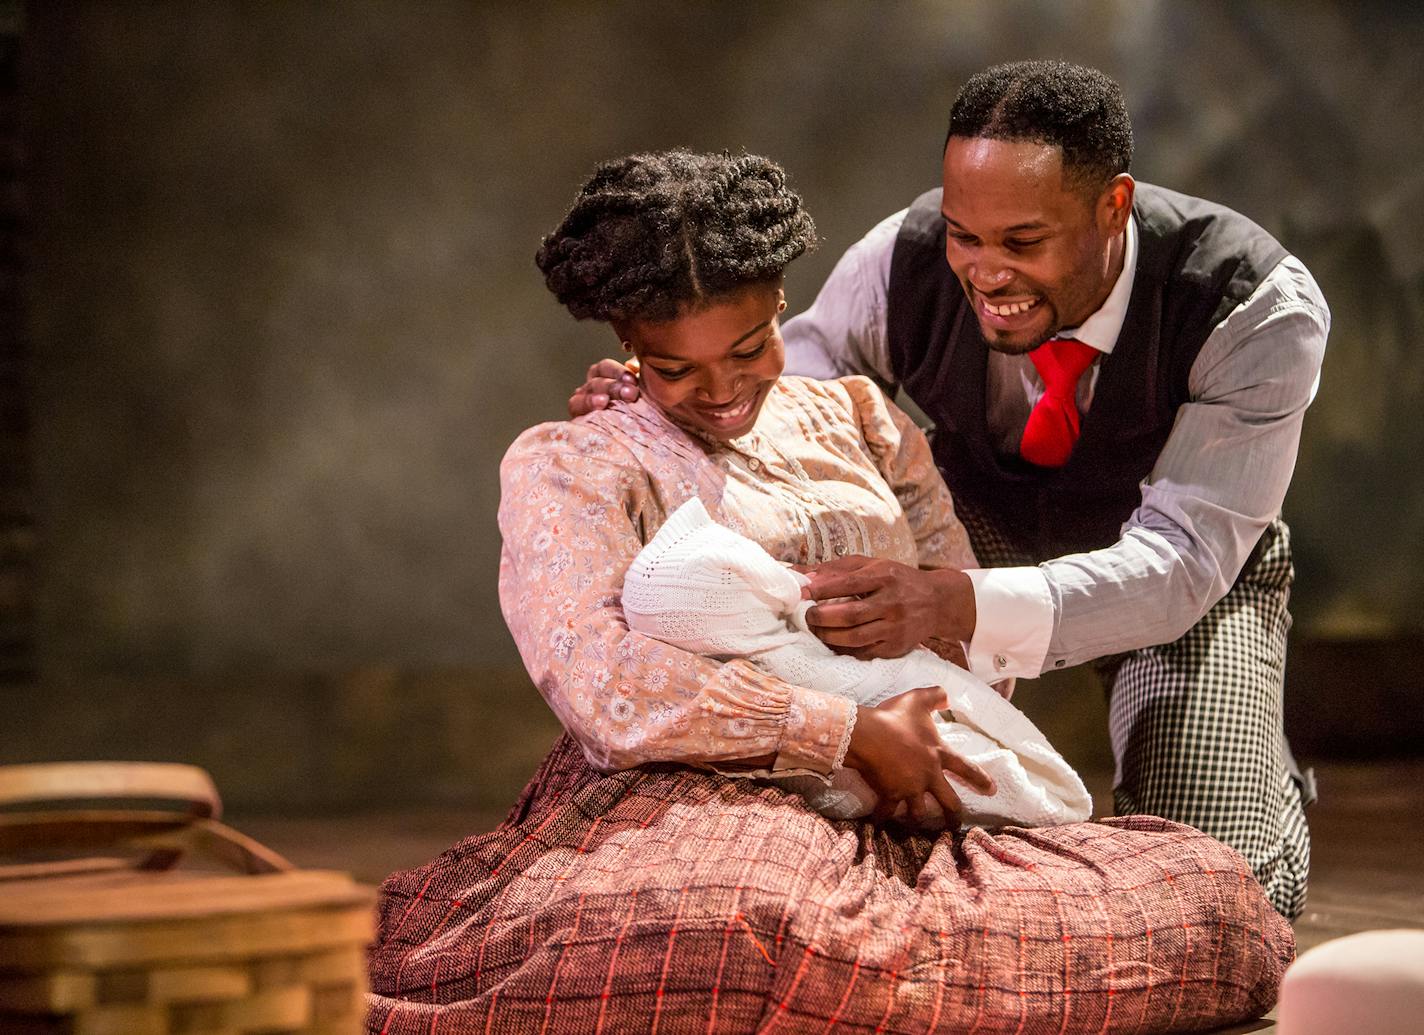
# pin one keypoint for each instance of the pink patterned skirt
(670, 900)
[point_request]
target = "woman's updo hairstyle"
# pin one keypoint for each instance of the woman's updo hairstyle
(654, 235)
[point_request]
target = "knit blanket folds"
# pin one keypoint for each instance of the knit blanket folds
(703, 588)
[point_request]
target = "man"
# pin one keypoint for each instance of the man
(1117, 375)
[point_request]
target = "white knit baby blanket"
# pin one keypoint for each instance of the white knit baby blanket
(703, 588)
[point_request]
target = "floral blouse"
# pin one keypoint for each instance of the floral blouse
(831, 468)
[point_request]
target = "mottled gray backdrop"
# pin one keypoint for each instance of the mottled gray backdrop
(284, 321)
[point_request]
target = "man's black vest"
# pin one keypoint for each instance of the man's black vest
(1196, 262)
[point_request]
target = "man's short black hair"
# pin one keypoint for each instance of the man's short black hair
(1078, 109)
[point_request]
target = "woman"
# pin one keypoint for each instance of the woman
(644, 882)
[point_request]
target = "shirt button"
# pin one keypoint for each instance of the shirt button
(1000, 662)
(754, 464)
(1058, 663)
(841, 550)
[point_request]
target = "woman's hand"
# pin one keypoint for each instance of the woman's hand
(606, 380)
(896, 747)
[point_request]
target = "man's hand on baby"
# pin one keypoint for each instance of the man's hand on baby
(897, 749)
(606, 380)
(892, 609)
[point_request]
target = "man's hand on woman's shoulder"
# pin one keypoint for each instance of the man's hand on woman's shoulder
(607, 379)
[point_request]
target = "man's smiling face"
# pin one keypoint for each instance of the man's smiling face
(1034, 251)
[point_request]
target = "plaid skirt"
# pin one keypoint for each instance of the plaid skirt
(667, 900)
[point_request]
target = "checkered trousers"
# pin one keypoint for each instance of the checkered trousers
(1196, 725)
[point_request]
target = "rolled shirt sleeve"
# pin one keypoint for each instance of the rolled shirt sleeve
(571, 506)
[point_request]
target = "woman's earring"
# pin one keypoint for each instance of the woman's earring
(627, 346)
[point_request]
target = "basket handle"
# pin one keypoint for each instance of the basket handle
(57, 782)
(163, 835)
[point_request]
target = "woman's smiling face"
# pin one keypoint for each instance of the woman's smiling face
(711, 369)
(1034, 251)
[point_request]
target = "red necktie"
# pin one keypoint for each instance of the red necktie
(1053, 423)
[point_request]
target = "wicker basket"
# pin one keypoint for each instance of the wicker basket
(102, 945)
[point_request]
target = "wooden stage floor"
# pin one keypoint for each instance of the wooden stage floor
(1367, 870)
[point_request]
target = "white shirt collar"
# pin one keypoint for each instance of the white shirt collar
(1102, 328)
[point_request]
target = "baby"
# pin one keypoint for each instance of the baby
(703, 588)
